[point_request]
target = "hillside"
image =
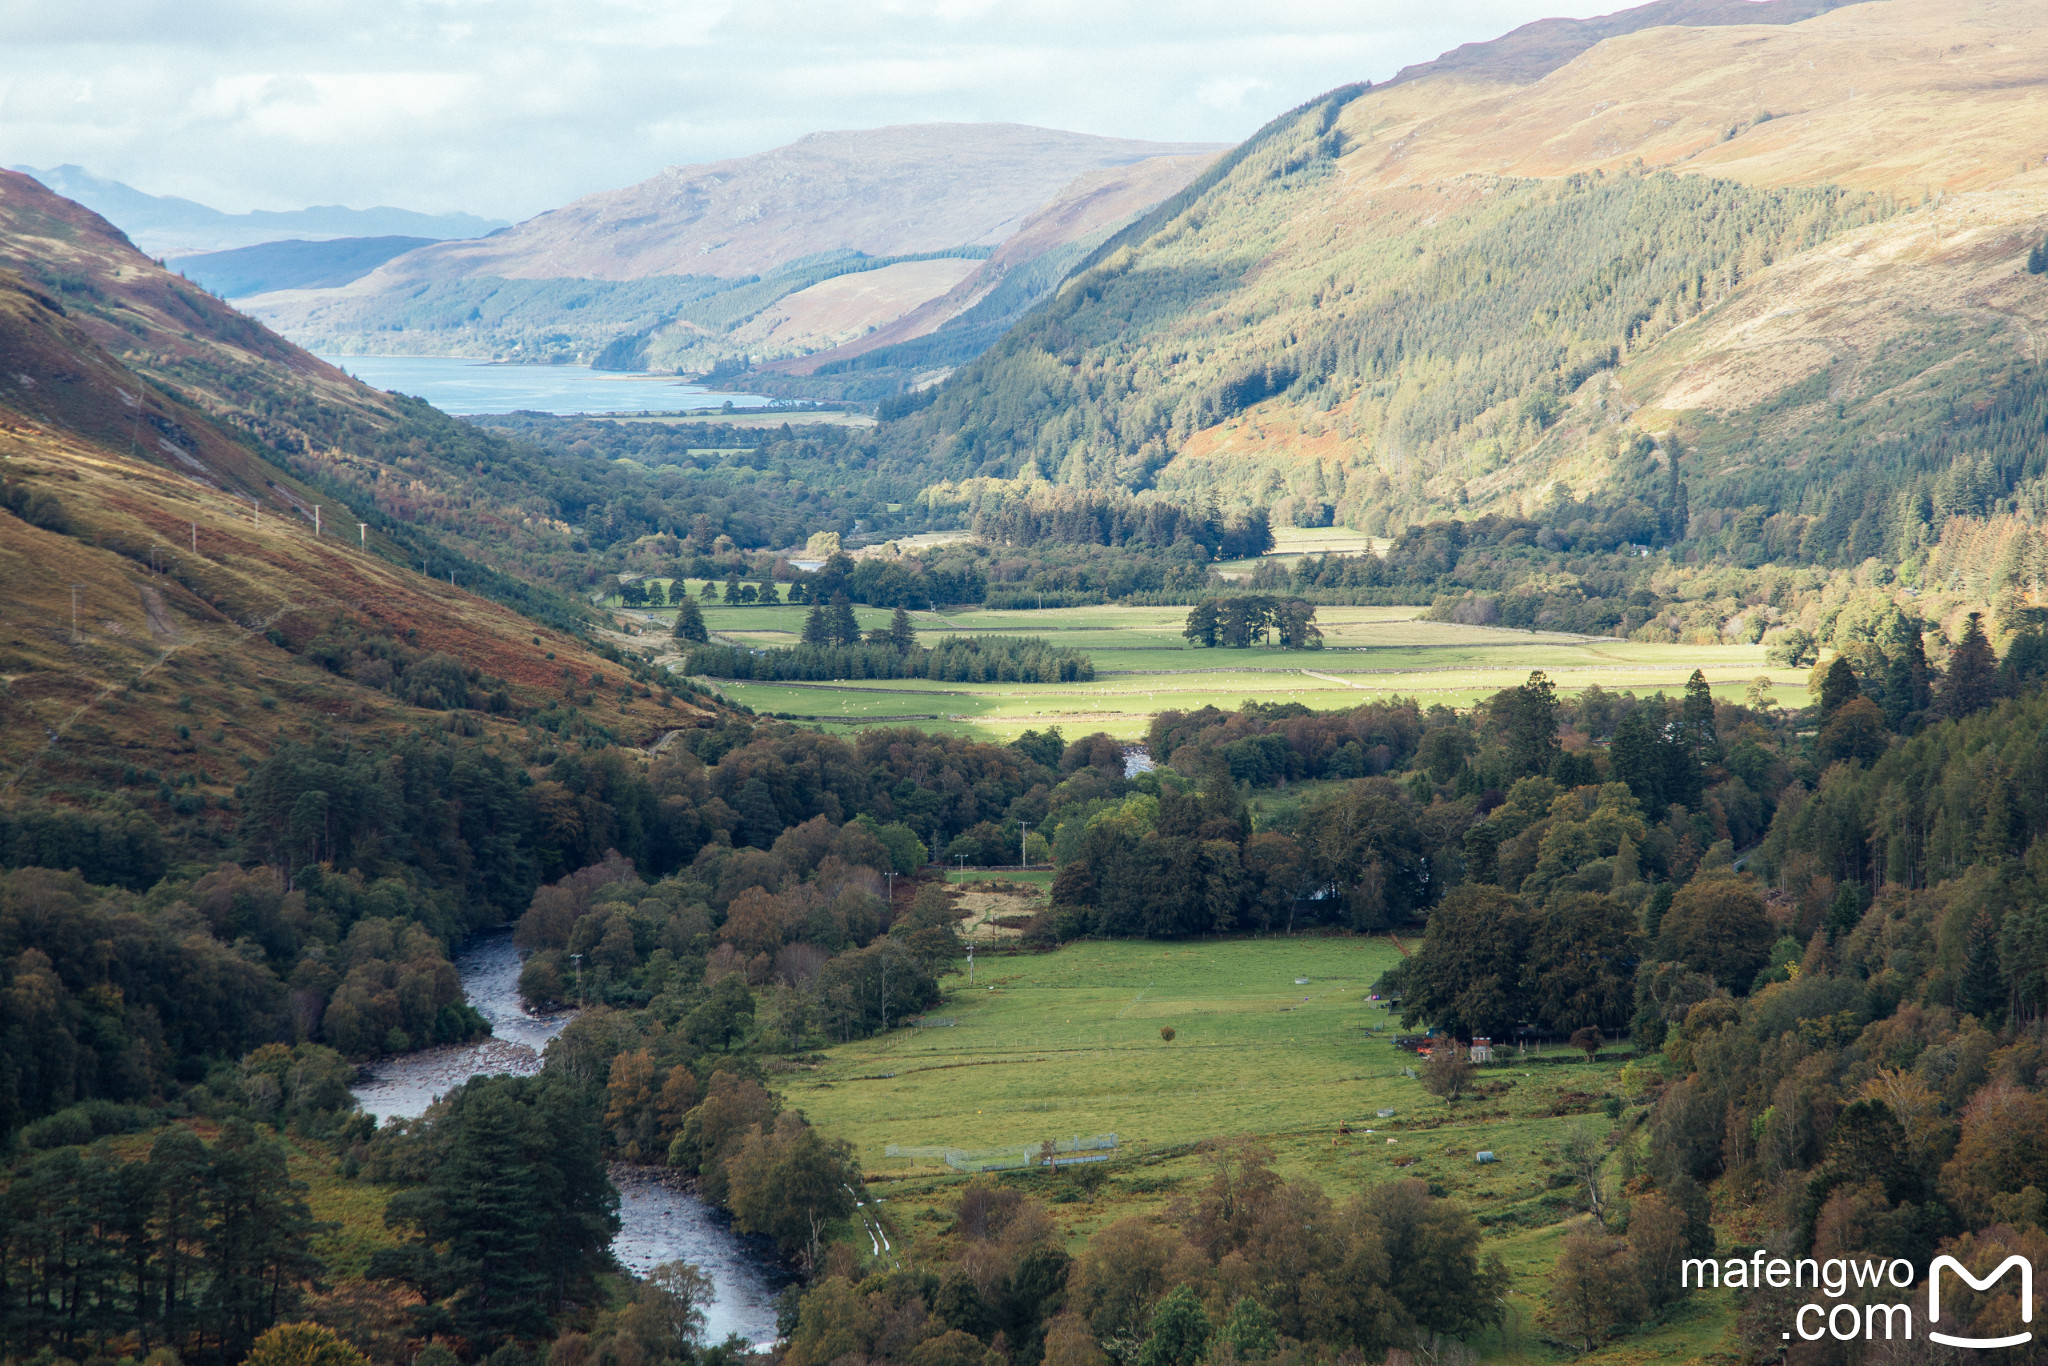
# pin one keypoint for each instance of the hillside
(165, 225)
(674, 264)
(291, 264)
(160, 637)
(1798, 246)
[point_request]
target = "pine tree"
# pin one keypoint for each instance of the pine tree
(817, 631)
(2037, 260)
(1697, 718)
(769, 597)
(840, 621)
(1531, 725)
(732, 590)
(1972, 679)
(709, 592)
(690, 621)
(797, 595)
(1838, 685)
(901, 634)
(1979, 990)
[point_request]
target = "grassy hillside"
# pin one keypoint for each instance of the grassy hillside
(162, 635)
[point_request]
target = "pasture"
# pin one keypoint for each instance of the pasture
(1143, 666)
(1067, 1043)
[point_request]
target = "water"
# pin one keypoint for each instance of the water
(659, 1221)
(457, 385)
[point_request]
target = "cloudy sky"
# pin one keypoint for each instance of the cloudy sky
(508, 107)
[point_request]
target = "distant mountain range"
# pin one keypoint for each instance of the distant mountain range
(793, 253)
(164, 225)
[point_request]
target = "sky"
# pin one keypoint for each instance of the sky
(505, 108)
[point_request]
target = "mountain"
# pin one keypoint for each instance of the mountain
(294, 264)
(1789, 256)
(678, 268)
(164, 225)
(228, 512)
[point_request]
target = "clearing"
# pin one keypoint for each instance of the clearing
(1067, 1044)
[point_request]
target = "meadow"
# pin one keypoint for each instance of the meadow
(1068, 1043)
(1144, 666)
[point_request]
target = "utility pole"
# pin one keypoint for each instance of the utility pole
(316, 521)
(970, 965)
(363, 532)
(74, 611)
(963, 867)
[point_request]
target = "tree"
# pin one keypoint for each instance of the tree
(2037, 259)
(709, 592)
(1295, 622)
(1971, 683)
(1529, 724)
(1595, 1291)
(1203, 622)
(789, 1181)
(690, 621)
(1447, 1072)
(1795, 649)
(840, 624)
(515, 1214)
(1696, 719)
(1467, 979)
(1582, 963)
(898, 635)
(817, 629)
(1248, 1334)
(1838, 685)
(1717, 926)
(732, 590)
(1854, 733)
(768, 596)
(1587, 1040)
(303, 1344)
(1180, 1331)
(725, 1015)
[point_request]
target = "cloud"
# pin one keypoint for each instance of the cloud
(509, 107)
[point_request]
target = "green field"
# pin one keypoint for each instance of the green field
(1143, 666)
(1051, 1046)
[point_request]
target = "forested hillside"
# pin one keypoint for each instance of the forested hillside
(1465, 293)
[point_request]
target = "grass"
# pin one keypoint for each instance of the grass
(1068, 1043)
(1143, 666)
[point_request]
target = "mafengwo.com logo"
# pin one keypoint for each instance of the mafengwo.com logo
(1835, 1317)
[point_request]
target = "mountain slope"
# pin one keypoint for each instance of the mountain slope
(158, 637)
(772, 224)
(1451, 293)
(291, 264)
(295, 431)
(164, 225)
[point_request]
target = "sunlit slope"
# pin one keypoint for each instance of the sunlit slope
(1450, 293)
(155, 624)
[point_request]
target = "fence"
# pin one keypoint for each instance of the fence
(1066, 1152)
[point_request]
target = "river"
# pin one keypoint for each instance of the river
(659, 1221)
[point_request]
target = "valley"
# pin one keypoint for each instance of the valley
(966, 744)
